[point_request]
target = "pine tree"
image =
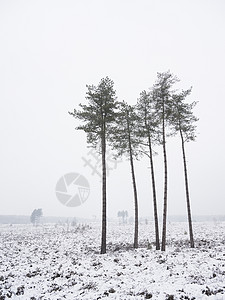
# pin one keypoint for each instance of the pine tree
(33, 217)
(98, 117)
(36, 216)
(162, 97)
(184, 124)
(148, 124)
(125, 140)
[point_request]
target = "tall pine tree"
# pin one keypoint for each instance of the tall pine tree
(184, 124)
(98, 116)
(148, 125)
(126, 141)
(162, 97)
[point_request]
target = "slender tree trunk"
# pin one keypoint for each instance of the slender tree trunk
(135, 203)
(135, 195)
(103, 242)
(163, 247)
(187, 193)
(154, 195)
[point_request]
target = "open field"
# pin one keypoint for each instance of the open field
(52, 262)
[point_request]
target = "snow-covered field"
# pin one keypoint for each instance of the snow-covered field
(52, 262)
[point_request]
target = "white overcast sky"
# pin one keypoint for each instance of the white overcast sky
(50, 50)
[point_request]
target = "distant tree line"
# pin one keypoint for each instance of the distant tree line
(134, 130)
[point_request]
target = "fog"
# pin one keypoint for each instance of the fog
(50, 50)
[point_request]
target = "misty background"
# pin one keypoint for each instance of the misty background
(50, 50)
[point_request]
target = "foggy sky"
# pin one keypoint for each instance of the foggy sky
(50, 50)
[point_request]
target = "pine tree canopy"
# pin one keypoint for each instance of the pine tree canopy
(98, 114)
(124, 136)
(183, 118)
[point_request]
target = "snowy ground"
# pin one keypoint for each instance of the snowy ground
(52, 263)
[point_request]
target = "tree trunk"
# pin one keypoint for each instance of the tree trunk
(135, 203)
(154, 195)
(163, 247)
(135, 193)
(103, 242)
(187, 193)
